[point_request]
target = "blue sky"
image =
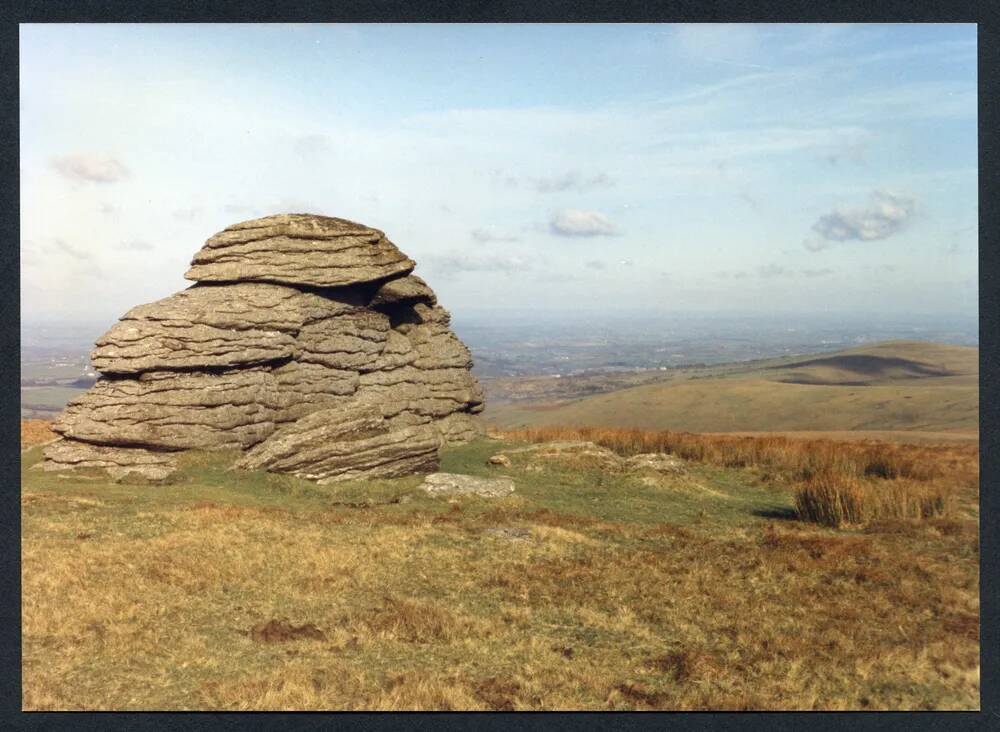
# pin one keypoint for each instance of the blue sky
(758, 168)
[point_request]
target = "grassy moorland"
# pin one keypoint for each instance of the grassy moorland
(586, 589)
(895, 387)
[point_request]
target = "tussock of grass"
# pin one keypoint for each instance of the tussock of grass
(836, 500)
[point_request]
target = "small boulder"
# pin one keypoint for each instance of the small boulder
(499, 459)
(451, 484)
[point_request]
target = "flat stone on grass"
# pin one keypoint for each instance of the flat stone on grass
(453, 484)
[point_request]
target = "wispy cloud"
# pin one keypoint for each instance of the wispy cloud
(187, 214)
(88, 168)
(136, 245)
(59, 258)
(453, 263)
(732, 44)
(240, 208)
(311, 144)
(771, 270)
(62, 246)
(763, 140)
(817, 272)
(573, 222)
(571, 181)
(485, 236)
(851, 151)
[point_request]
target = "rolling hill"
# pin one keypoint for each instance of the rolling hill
(896, 386)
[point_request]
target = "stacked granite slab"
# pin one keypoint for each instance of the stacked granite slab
(306, 343)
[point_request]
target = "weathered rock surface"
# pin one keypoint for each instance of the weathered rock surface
(134, 346)
(306, 342)
(344, 443)
(204, 327)
(299, 249)
(453, 484)
(118, 462)
(308, 387)
(247, 305)
(354, 340)
(460, 427)
(434, 393)
(176, 410)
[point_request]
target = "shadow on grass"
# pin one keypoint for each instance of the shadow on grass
(784, 514)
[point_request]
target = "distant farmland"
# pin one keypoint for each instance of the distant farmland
(897, 386)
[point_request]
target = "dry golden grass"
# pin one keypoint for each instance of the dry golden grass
(805, 457)
(36, 432)
(836, 483)
(219, 592)
(837, 500)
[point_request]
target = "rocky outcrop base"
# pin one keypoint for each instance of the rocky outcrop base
(119, 462)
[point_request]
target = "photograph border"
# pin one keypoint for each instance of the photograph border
(94, 11)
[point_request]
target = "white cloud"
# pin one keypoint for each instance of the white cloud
(885, 214)
(90, 169)
(572, 222)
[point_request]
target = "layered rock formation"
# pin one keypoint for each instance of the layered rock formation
(306, 342)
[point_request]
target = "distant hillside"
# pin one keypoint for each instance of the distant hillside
(892, 386)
